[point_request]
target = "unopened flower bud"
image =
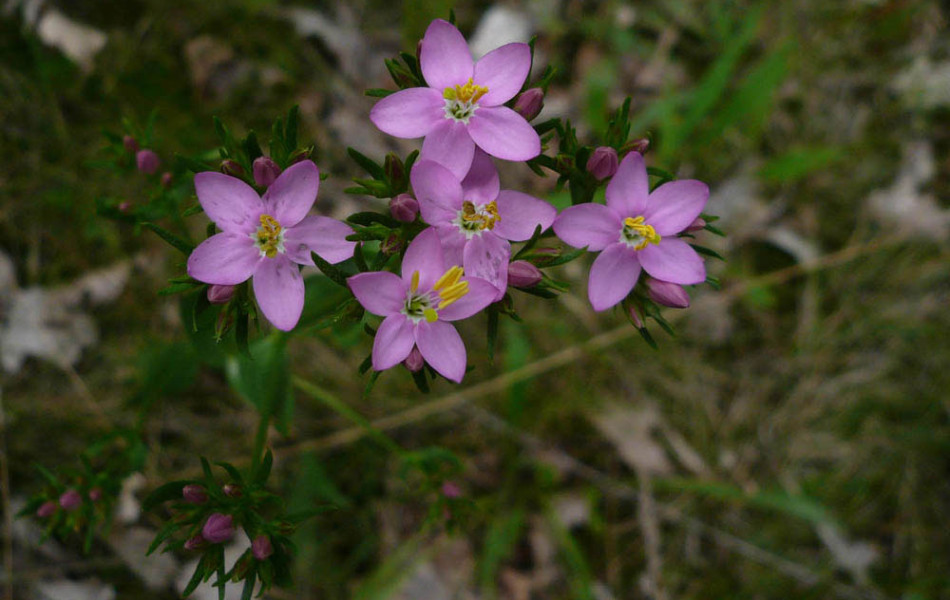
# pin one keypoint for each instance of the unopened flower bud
(395, 170)
(124, 206)
(95, 494)
(529, 103)
(194, 493)
(523, 274)
(195, 543)
(166, 179)
(404, 208)
(232, 490)
(414, 362)
(220, 294)
(450, 489)
(635, 317)
(261, 547)
(130, 144)
(70, 500)
(698, 225)
(266, 171)
(563, 163)
(640, 145)
(218, 528)
(46, 510)
(231, 167)
(667, 294)
(301, 154)
(147, 161)
(602, 163)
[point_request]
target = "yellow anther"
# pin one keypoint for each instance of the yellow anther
(414, 285)
(637, 227)
(268, 236)
(484, 218)
(452, 293)
(465, 93)
(449, 278)
(430, 315)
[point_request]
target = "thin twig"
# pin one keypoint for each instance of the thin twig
(7, 510)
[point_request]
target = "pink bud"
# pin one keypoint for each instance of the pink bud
(46, 510)
(195, 543)
(392, 245)
(130, 144)
(218, 528)
(220, 294)
(124, 206)
(232, 490)
(698, 225)
(70, 500)
(261, 547)
(523, 274)
(450, 489)
(95, 494)
(194, 493)
(147, 161)
(166, 179)
(529, 103)
(414, 362)
(635, 317)
(667, 294)
(266, 171)
(602, 163)
(404, 208)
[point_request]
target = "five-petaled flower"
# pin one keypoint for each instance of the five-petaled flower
(266, 238)
(636, 229)
(475, 219)
(462, 107)
(419, 306)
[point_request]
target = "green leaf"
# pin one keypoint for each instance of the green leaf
(264, 380)
(798, 163)
(566, 257)
(181, 245)
(503, 534)
(368, 164)
(164, 493)
(707, 251)
(333, 273)
(378, 92)
(368, 218)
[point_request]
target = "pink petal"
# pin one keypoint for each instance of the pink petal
(486, 257)
(233, 205)
(323, 235)
(438, 191)
(278, 288)
(591, 225)
(450, 145)
(673, 260)
(224, 259)
(481, 183)
(424, 254)
(442, 347)
(453, 244)
(521, 214)
(290, 197)
(480, 294)
(627, 192)
(504, 134)
(503, 71)
(675, 205)
(612, 276)
(410, 113)
(393, 342)
(380, 292)
(445, 58)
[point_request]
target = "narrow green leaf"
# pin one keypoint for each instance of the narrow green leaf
(368, 164)
(181, 245)
(333, 273)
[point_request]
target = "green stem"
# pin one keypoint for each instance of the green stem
(337, 406)
(260, 440)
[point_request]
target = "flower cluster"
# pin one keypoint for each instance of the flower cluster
(449, 220)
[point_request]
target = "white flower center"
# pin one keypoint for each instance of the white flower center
(269, 237)
(461, 101)
(472, 220)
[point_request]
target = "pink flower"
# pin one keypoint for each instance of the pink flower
(636, 229)
(475, 219)
(462, 107)
(266, 238)
(419, 306)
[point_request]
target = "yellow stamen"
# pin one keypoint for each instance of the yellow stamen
(415, 282)
(465, 93)
(452, 293)
(430, 315)
(449, 278)
(483, 221)
(268, 236)
(637, 226)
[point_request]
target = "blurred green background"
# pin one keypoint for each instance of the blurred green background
(793, 440)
